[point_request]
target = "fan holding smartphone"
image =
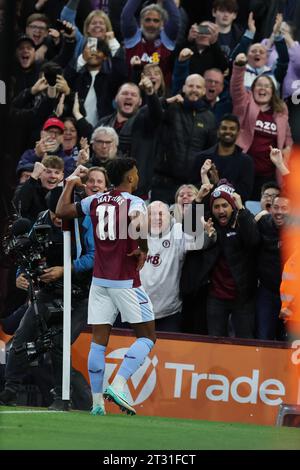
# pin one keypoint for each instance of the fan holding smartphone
(92, 44)
(203, 52)
(64, 26)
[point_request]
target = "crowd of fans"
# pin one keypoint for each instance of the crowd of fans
(205, 106)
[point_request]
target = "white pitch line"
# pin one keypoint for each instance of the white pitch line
(29, 411)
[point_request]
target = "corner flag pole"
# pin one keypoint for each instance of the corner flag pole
(67, 312)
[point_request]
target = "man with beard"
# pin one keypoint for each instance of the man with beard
(270, 262)
(104, 143)
(231, 163)
(188, 127)
(229, 265)
(154, 40)
(227, 268)
(216, 90)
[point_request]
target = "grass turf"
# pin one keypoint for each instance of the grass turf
(81, 431)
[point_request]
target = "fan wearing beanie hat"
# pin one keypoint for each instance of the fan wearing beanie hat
(224, 201)
(223, 191)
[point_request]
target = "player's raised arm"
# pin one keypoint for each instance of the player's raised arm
(65, 208)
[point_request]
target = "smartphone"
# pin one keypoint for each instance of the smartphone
(60, 26)
(50, 76)
(92, 43)
(203, 29)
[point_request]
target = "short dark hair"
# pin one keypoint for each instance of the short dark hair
(226, 5)
(230, 117)
(129, 84)
(52, 68)
(118, 167)
(268, 185)
(282, 195)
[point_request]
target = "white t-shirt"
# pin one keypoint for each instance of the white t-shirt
(160, 275)
(90, 104)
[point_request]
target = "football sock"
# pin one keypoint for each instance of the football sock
(133, 359)
(96, 366)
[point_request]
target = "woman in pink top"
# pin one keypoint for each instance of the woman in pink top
(264, 122)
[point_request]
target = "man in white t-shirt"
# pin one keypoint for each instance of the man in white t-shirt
(160, 275)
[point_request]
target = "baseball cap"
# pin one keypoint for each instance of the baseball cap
(53, 122)
(24, 167)
(24, 38)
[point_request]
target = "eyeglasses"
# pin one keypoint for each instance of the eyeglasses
(151, 20)
(103, 142)
(54, 131)
(37, 28)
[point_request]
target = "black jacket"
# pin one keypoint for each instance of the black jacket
(186, 130)
(30, 200)
(26, 78)
(211, 57)
(269, 259)
(106, 84)
(236, 168)
(138, 138)
(238, 245)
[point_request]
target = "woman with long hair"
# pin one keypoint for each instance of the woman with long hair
(264, 122)
(96, 25)
(184, 195)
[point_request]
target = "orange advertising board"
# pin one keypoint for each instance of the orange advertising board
(199, 380)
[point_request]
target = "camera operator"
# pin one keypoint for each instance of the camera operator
(32, 331)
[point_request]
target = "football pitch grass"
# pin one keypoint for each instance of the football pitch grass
(37, 429)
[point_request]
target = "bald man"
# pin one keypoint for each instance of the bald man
(257, 54)
(189, 127)
(160, 275)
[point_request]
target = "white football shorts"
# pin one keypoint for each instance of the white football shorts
(105, 303)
